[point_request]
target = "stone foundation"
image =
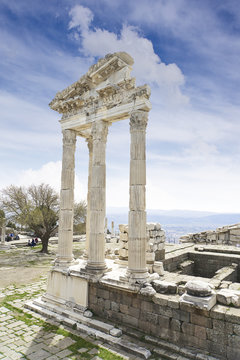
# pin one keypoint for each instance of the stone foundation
(216, 331)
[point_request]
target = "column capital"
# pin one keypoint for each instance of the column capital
(99, 130)
(69, 137)
(138, 120)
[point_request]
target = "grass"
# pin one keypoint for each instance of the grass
(29, 320)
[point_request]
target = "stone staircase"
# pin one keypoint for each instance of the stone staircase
(123, 338)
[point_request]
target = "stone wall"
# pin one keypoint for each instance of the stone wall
(216, 331)
(229, 235)
(155, 242)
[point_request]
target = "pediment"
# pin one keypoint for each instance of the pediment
(106, 91)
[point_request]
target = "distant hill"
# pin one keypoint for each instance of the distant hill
(177, 222)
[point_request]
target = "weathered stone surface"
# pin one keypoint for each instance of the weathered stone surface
(229, 297)
(205, 303)
(164, 287)
(148, 291)
(198, 288)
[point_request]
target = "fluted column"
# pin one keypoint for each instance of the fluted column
(65, 231)
(137, 206)
(96, 251)
(90, 150)
(3, 233)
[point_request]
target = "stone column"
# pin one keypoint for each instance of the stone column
(90, 150)
(3, 233)
(96, 251)
(137, 206)
(65, 230)
(112, 231)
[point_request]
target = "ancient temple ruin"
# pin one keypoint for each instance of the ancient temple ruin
(189, 310)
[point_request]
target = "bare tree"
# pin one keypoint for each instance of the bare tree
(79, 220)
(36, 207)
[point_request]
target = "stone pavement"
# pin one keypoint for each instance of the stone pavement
(27, 335)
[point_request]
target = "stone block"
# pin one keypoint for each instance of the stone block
(200, 332)
(235, 232)
(107, 305)
(218, 312)
(198, 288)
(216, 336)
(173, 302)
(161, 246)
(160, 255)
(150, 226)
(199, 302)
(233, 353)
(188, 329)
(236, 330)
(201, 320)
(115, 306)
(232, 315)
(181, 315)
(164, 287)
(163, 321)
(102, 293)
(145, 326)
(229, 297)
(123, 253)
(217, 348)
(150, 257)
(123, 309)
(116, 332)
(135, 312)
(136, 302)
(158, 267)
(123, 236)
(123, 228)
(234, 341)
(146, 306)
(175, 325)
(130, 320)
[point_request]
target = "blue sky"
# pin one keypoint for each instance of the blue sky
(188, 51)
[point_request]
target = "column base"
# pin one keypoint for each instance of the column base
(96, 267)
(135, 276)
(63, 262)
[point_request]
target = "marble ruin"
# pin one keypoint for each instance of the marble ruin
(225, 235)
(185, 301)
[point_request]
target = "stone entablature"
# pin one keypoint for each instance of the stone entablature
(106, 92)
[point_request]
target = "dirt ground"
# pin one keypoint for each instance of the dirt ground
(24, 265)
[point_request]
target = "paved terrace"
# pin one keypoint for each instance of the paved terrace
(28, 335)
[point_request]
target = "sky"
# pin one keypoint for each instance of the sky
(188, 51)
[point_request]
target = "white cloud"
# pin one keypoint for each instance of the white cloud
(81, 17)
(148, 67)
(49, 173)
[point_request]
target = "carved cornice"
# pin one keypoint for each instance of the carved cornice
(108, 98)
(138, 120)
(69, 137)
(99, 131)
(73, 95)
